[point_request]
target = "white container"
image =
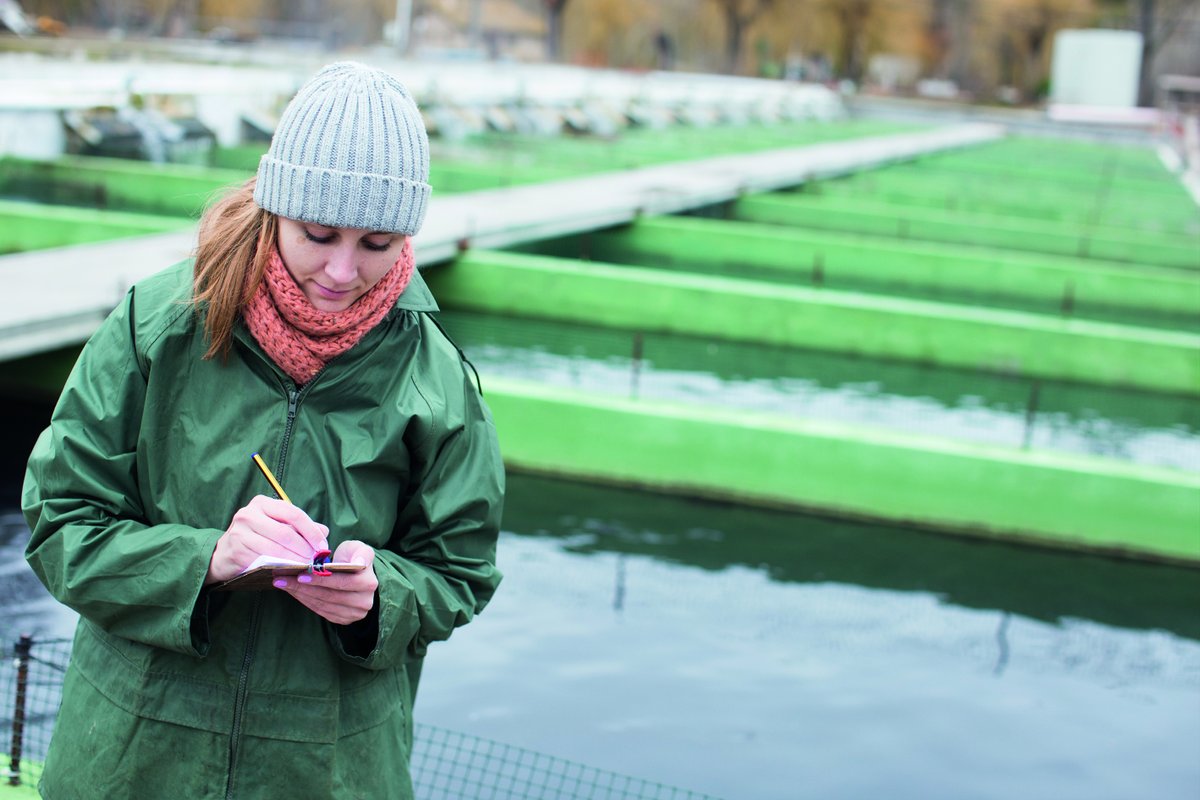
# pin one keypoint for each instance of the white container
(1096, 68)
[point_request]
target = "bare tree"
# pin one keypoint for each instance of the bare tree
(739, 15)
(175, 17)
(947, 39)
(1033, 34)
(1157, 21)
(554, 13)
(851, 21)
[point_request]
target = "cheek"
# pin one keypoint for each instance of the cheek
(378, 266)
(286, 249)
(295, 255)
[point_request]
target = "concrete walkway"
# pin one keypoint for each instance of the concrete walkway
(57, 297)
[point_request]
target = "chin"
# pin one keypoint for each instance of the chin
(322, 303)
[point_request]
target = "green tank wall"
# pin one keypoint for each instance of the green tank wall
(1049, 283)
(793, 316)
(111, 183)
(32, 226)
(1043, 200)
(1101, 172)
(1059, 500)
(876, 218)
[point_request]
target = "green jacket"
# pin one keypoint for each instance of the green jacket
(177, 692)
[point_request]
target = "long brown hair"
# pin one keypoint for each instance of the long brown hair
(234, 242)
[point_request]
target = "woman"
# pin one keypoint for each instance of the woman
(301, 332)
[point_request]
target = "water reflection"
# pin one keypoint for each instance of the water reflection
(1039, 584)
(753, 655)
(26, 606)
(1160, 430)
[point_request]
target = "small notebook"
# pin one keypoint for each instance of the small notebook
(265, 569)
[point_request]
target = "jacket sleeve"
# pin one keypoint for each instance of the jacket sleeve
(90, 541)
(439, 570)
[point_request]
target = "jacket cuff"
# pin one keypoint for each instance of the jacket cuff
(207, 606)
(358, 640)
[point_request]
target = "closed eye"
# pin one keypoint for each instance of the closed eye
(376, 248)
(312, 237)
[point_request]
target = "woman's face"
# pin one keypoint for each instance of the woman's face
(336, 266)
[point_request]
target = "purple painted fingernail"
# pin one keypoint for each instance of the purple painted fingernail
(304, 578)
(280, 583)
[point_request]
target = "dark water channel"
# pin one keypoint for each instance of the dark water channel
(754, 655)
(1160, 430)
(760, 655)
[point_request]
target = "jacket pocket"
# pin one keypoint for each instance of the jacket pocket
(133, 677)
(367, 698)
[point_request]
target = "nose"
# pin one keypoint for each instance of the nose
(341, 267)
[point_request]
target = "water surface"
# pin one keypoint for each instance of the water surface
(762, 655)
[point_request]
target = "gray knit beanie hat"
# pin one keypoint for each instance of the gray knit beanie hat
(350, 152)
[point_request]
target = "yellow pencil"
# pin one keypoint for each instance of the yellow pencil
(270, 477)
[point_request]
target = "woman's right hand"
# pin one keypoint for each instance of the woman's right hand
(265, 527)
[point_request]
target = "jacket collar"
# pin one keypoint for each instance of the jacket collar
(416, 296)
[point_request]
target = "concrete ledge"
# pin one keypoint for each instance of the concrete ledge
(1060, 500)
(59, 297)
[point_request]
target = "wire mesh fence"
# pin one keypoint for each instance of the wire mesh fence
(445, 765)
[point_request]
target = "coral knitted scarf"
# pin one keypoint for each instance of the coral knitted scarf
(300, 338)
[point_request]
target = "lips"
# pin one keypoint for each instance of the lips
(330, 294)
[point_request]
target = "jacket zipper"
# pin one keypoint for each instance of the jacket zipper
(239, 703)
(293, 404)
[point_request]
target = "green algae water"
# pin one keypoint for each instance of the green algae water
(1153, 429)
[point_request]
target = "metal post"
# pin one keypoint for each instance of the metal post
(1031, 409)
(636, 366)
(1068, 299)
(619, 588)
(24, 645)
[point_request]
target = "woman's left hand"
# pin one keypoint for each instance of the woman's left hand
(342, 597)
